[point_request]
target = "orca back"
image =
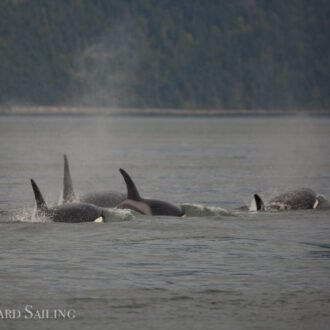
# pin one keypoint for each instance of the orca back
(296, 199)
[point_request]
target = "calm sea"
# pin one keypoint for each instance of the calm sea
(220, 267)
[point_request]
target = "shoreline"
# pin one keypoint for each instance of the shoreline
(104, 111)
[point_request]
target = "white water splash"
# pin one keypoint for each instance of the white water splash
(117, 215)
(198, 210)
(28, 215)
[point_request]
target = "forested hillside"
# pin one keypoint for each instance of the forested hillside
(205, 54)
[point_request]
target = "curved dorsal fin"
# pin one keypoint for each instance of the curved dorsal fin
(41, 204)
(68, 193)
(259, 202)
(132, 192)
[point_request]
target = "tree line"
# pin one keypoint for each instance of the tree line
(194, 54)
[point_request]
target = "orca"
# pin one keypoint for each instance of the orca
(303, 198)
(145, 206)
(75, 212)
(104, 199)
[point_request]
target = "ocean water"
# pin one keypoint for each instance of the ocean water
(220, 267)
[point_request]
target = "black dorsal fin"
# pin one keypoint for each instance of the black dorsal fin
(132, 192)
(259, 202)
(68, 193)
(41, 204)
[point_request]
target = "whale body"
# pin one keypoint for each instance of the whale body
(303, 198)
(101, 198)
(75, 212)
(145, 206)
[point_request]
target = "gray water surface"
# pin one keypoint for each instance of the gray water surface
(222, 268)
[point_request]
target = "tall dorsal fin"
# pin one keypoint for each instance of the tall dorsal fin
(132, 192)
(41, 204)
(68, 193)
(259, 202)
